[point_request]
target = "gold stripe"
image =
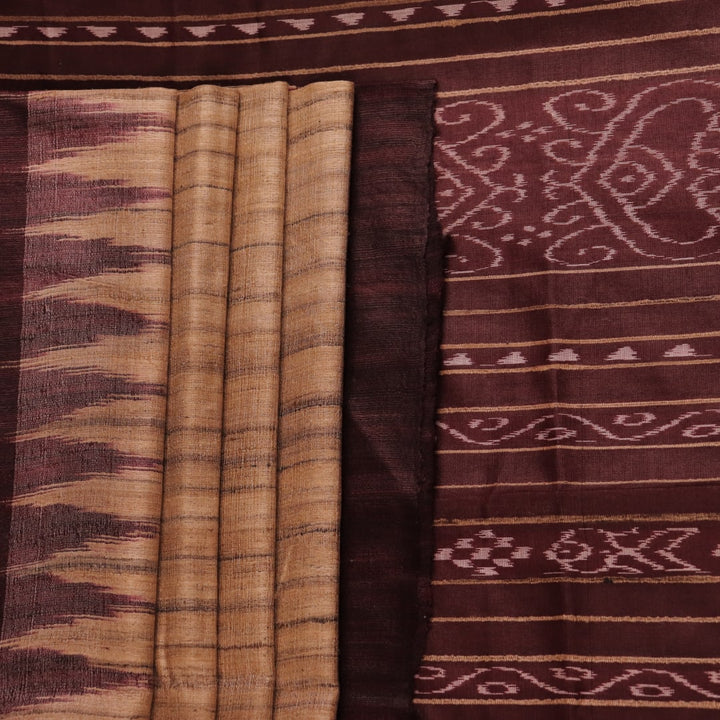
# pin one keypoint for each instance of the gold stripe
(584, 306)
(581, 406)
(549, 485)
(594, 659)
(568, 82)
(577, 447)
(392, 64)
(580, 341)
(675, 580)
(572, 701)
(451, 23)
(563, 366)
(361, 4)
(578, 618)
(561, 519)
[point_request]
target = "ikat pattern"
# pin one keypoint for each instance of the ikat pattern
(579, 681)
(592, 551)
(625, 177)
(239, 27)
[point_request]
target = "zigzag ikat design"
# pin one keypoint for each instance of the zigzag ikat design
(79, 616)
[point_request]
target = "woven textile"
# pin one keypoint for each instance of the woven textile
(113, 365)
(93, 260)
(392, 334)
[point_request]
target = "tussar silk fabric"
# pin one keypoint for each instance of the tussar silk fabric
(394, 280)
(115, 366)
(576, 538)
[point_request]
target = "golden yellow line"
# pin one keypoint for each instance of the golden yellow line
(580, 341)
(579, 619)
(549, 485)
(673, 580)
(574, 701)
(478, 451)
(684, 300)
(569, 82)
(576, 406)
(293, 12)
(594, 659)
(635, 40)
(562, 519)
(452, 23)
(610, 365)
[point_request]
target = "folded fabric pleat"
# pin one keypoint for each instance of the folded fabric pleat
(185, 645)
(246, 602)
(308, 501)
(394, 275)
(81, 564)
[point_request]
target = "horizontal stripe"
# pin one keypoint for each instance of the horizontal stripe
(439, 24)
(576, 447)
(582, 406)
(580, 341)
(586, 271)
(592, 659)
(380, 65)
(361, 4)
(700, 705)
(549, 485)
(562, 519)
(578, 618)
(584, 306)
(609, 365)
(569, 82)
(675, 580)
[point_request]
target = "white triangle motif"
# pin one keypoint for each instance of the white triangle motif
(251, 28)
(683, 350)
(153, 32)
(564, 355)
(100, 31)
(503, 5)
(459, 359)
(53, 32)
(201, 31)
(451, 10)
(349, 18)
(401, 15)
(513, 358)
(6, 32)
(301, 24)
(623, 353)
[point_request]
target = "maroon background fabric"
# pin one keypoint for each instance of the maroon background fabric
(13, 161)
(391, 351)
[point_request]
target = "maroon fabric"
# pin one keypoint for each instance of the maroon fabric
(391, 349)
(13, 161)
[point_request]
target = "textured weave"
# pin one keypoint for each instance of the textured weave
(252, 376)
(185, 645)
(313, 307)
(78, 619)
(394, 276)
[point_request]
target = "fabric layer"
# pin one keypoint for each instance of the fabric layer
(187, 620)
(308, 500)
(83, 538)
(394, 279)
(246, 604)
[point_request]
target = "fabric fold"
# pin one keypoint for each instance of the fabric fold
(186, 638)
(394, 279)
(307, 560)
(246, 602)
